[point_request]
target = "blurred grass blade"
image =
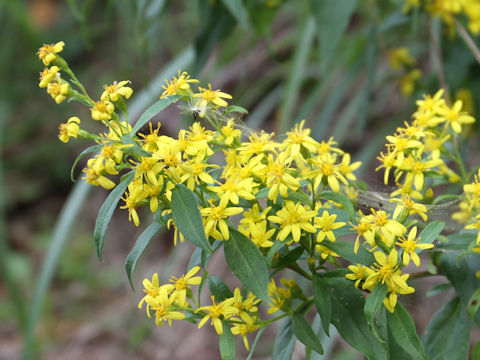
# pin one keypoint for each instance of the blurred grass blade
(296, 74)
(238, 11)
(332, 18)
(77, 198)
(16, 299)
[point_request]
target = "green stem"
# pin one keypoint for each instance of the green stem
(459, 161)
(300, 271)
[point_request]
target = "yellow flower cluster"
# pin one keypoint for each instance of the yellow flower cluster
(447, 9)
(414, 153)
(172, 301)
(403, 62)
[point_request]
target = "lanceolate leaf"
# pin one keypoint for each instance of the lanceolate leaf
(323, 302)
(350, 321)
(284, 341)
(218, 288)
(345, 250)
(153, 110)
(187, 218)
(227, 343)
(140, 245)
(374, 302)
(247, 263)
(106, 212)
(448, 334)
(404, 332)
(431, 232)
(304, 333)
(89, 150)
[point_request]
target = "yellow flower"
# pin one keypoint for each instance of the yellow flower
(386, 228)
(152, 288)
(216, 311)
(102, 110)
(47, 52)
(407, 204)
(400, 58)
(455, 117)
(95, 179)
(164, 311)
(233, 189)
(259, 234)
(116, 90)
(365, 229)
(359, 273)
(324, 167)
(410, 245)
(325, 252)
(149, 169)
(257, 146)
(416, 169)
(429, 104)
(244, 328)
(279, 297)
(229, 133)
(278, 177)
(215, 218)
(326, 223)
(182, 283)
(47, 76)
(293, 218)
(58, 90)
(297, 139)
(407, 82)
(253, 216)
(209, 96)
(388, 162)
(244, 305)
(347, 169)
(475, 226)
(133, 197)
(178, 85)
(69, 130)
(194, 172)
(386, 271)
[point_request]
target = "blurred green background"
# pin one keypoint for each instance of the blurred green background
(324, 61)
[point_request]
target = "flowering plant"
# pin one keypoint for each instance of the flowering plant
(286, 202)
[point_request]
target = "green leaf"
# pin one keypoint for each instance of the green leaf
(277, 245)
(374, 302)
(134, 148)
(238, 11)
(322, 301)
(345, 250)
(187, 218)
(304, 333)
(332, 18)
(227, 343)
(448, 334)
(218, 288)
(152, 111)
(476, 351)
(142, 242)
(247, 263)
(431, 232)
(89, 150)
(439, 288)
(291, 257)
(474, 304)
(341, 199)
(236, 109)
(106, 212)
(404, 332)
(461, 273)
(284, 341)
(350, 321)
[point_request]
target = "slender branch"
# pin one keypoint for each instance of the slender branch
(468, 39)
(438, 56)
